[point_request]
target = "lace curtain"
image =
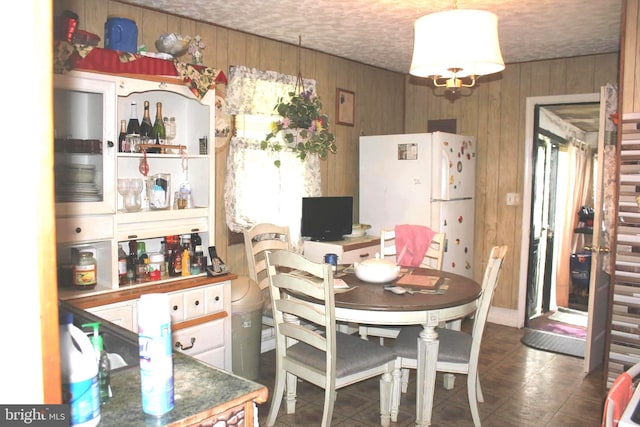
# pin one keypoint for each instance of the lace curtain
(255, 190)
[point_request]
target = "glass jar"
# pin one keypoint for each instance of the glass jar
(85, 271)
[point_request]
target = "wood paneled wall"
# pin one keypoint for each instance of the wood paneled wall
(388, 103)
(495, 114)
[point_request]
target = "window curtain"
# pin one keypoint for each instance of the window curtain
(255, 190)
(579, 193)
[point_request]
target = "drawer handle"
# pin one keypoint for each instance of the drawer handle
(217, 298)
(196, 303)
(78, 230)
(175, 308)
(181, 347)
(364, 255)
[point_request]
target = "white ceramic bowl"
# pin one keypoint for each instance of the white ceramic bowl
(377, 270)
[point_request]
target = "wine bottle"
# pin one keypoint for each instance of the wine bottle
(122, 138)
(146, 128)
(159, 131)
(133, 127)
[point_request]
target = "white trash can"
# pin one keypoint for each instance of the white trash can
(246, 326)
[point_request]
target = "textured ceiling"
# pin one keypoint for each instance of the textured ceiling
(380, 32)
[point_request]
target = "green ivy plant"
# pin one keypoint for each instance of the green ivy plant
(303, 128)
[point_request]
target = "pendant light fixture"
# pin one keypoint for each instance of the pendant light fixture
(455, 47)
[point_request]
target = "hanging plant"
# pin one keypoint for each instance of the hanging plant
(302, 129)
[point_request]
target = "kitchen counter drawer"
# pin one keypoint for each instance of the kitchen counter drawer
(122, 314)
(84, 229)
(349, 250)
(198, 339)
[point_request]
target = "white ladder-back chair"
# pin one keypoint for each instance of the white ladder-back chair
(257, 240)
(433, 258)
(321, 355)
(458, 351)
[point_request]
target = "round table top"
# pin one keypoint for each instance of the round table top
(373, 297)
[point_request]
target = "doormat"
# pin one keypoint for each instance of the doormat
(564, 329)
(572, 317)
(549, 341)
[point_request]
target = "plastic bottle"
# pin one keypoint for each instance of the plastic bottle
(104, 365)
(186, 261)
(79, 371)
(156, 362)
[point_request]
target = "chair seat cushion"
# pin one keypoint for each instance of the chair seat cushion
(353, 355)
(455, 346)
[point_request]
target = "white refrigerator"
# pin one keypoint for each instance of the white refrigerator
(421, 179)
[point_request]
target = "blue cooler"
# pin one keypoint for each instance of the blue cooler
(121, 34)
(580, 268)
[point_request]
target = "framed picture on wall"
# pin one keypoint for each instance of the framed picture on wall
(345, 107)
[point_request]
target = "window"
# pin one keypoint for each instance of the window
(256, 190)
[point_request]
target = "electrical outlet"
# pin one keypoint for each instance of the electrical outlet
(513, 199)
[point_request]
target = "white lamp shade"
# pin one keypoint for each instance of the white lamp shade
(462, 39)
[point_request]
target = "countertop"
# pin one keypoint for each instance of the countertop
(201, 392)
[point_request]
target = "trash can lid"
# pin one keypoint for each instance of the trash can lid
(245, 294)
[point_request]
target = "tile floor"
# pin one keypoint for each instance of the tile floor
(522, 386)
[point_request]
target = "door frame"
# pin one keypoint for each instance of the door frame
(531, 102)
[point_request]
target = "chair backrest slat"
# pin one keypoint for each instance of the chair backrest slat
(489, 284)
(292, 274)
(433, 257)
(258, 239)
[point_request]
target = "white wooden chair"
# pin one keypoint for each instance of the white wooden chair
(458, 351)
(618, 397)
(258, 239)
(322, 356)
(433, 258)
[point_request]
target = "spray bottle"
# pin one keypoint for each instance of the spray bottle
(156, 358)
(104, 365)
(79, 371)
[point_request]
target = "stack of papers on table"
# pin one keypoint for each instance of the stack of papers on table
(430, 282)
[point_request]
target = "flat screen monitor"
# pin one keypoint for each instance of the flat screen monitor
(326, 218)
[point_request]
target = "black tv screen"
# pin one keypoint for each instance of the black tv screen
(326, 218)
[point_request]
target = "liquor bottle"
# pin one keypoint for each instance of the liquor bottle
(133, 127)
(122, 138)
(122, 266)
(132, 261)
(196, 243)
(159, 131)
(177, 262)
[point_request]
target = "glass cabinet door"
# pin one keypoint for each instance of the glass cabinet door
(84, 145)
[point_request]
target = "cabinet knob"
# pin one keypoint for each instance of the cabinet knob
(78, 230)
(110, 144)
(196, 303)
(217, 298)
(175, 308)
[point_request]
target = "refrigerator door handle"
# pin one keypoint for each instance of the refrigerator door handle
(441, 182)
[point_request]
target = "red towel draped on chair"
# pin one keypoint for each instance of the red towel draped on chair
(412, 242)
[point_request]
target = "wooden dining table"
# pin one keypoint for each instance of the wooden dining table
(369, 304)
